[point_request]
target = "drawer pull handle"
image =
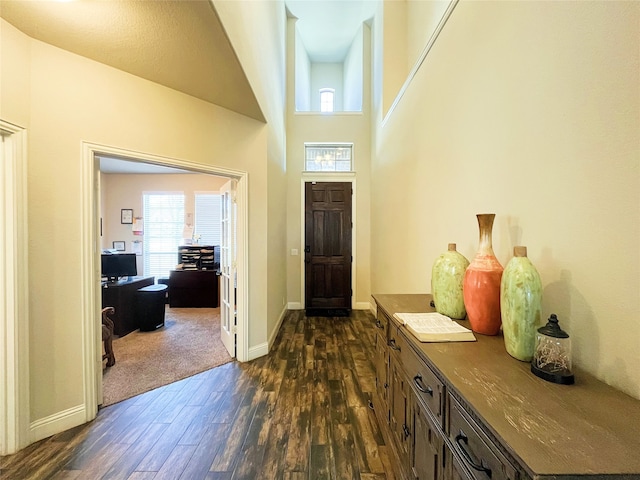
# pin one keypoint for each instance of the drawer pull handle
(406, 431)
(417, 380)
(462, 440)
(371, 405)
(392, 344)
(386, 385)
(379, 325)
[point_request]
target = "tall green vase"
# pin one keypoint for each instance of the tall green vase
(520, 305)
(447, 276)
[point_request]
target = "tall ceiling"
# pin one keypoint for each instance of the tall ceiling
(179, 44)
(327, 27)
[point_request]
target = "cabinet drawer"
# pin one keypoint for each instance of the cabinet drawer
(429, 389)
(474, 449)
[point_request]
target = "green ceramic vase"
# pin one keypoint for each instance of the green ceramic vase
(447, 276)
(520, 305)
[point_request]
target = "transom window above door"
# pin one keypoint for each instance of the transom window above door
(328, 157)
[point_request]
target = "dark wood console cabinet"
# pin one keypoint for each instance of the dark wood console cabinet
(469, 411)
(193, 288)
(121, 295)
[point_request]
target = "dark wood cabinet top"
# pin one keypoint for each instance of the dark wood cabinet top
(588, 428)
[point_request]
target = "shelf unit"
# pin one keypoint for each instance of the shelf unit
(199, 257)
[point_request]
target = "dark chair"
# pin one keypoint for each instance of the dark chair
(107, 336)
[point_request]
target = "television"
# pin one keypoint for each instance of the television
(117, 265)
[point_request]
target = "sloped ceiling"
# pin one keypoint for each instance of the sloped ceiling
(179, 44)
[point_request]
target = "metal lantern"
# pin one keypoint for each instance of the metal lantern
(552, 355)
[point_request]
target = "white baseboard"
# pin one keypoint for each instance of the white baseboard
(258, 351)
(56, 423)
(274, 332)
(373, 308)
(263, 349)
(356, 306)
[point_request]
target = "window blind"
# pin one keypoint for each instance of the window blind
(207, 221)
(163, 226)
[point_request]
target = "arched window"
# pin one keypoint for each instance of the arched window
(326, 99)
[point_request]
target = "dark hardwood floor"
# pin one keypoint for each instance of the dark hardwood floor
(301, 412)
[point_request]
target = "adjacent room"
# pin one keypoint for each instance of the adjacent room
(167, 299)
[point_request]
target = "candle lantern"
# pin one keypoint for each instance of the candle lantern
(552, 354)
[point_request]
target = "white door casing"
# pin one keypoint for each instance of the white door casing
(14, 316)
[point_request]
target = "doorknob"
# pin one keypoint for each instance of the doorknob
(307, 249)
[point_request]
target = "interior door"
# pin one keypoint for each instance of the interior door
(228, 267)
(328, 245)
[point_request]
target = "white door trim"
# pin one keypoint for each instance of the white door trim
(14, 315)
(328, 177)
(90, 249)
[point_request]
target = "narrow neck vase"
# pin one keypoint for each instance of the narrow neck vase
(482, 282)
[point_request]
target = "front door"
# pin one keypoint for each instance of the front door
(228, 267)
(328, 245)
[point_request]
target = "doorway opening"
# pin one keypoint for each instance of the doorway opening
(91, 243)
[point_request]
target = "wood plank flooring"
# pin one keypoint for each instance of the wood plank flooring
(301, 412)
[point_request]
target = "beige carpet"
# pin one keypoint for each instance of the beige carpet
(189, 343)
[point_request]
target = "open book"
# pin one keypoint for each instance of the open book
(434, 327)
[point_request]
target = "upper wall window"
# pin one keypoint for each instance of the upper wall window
(326, 99)
(322, 157)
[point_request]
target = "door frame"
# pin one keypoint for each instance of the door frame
(90, 257)
(14, 318)
(346, 177)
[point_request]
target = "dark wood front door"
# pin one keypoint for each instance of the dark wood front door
(328, 245)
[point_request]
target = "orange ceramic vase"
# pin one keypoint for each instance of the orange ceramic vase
(481, 288)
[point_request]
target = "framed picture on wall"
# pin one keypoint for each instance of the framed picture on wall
(126, 215)
(119, 245)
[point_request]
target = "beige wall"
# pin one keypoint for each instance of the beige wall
(69, 100)
(257, 32)
(125, 191)
(530, 110)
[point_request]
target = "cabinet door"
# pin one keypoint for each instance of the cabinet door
(426, 447)
(382, 374)
(399, 410)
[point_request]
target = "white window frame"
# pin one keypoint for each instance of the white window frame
(326, 163)
(172, 251)
(327, 100)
